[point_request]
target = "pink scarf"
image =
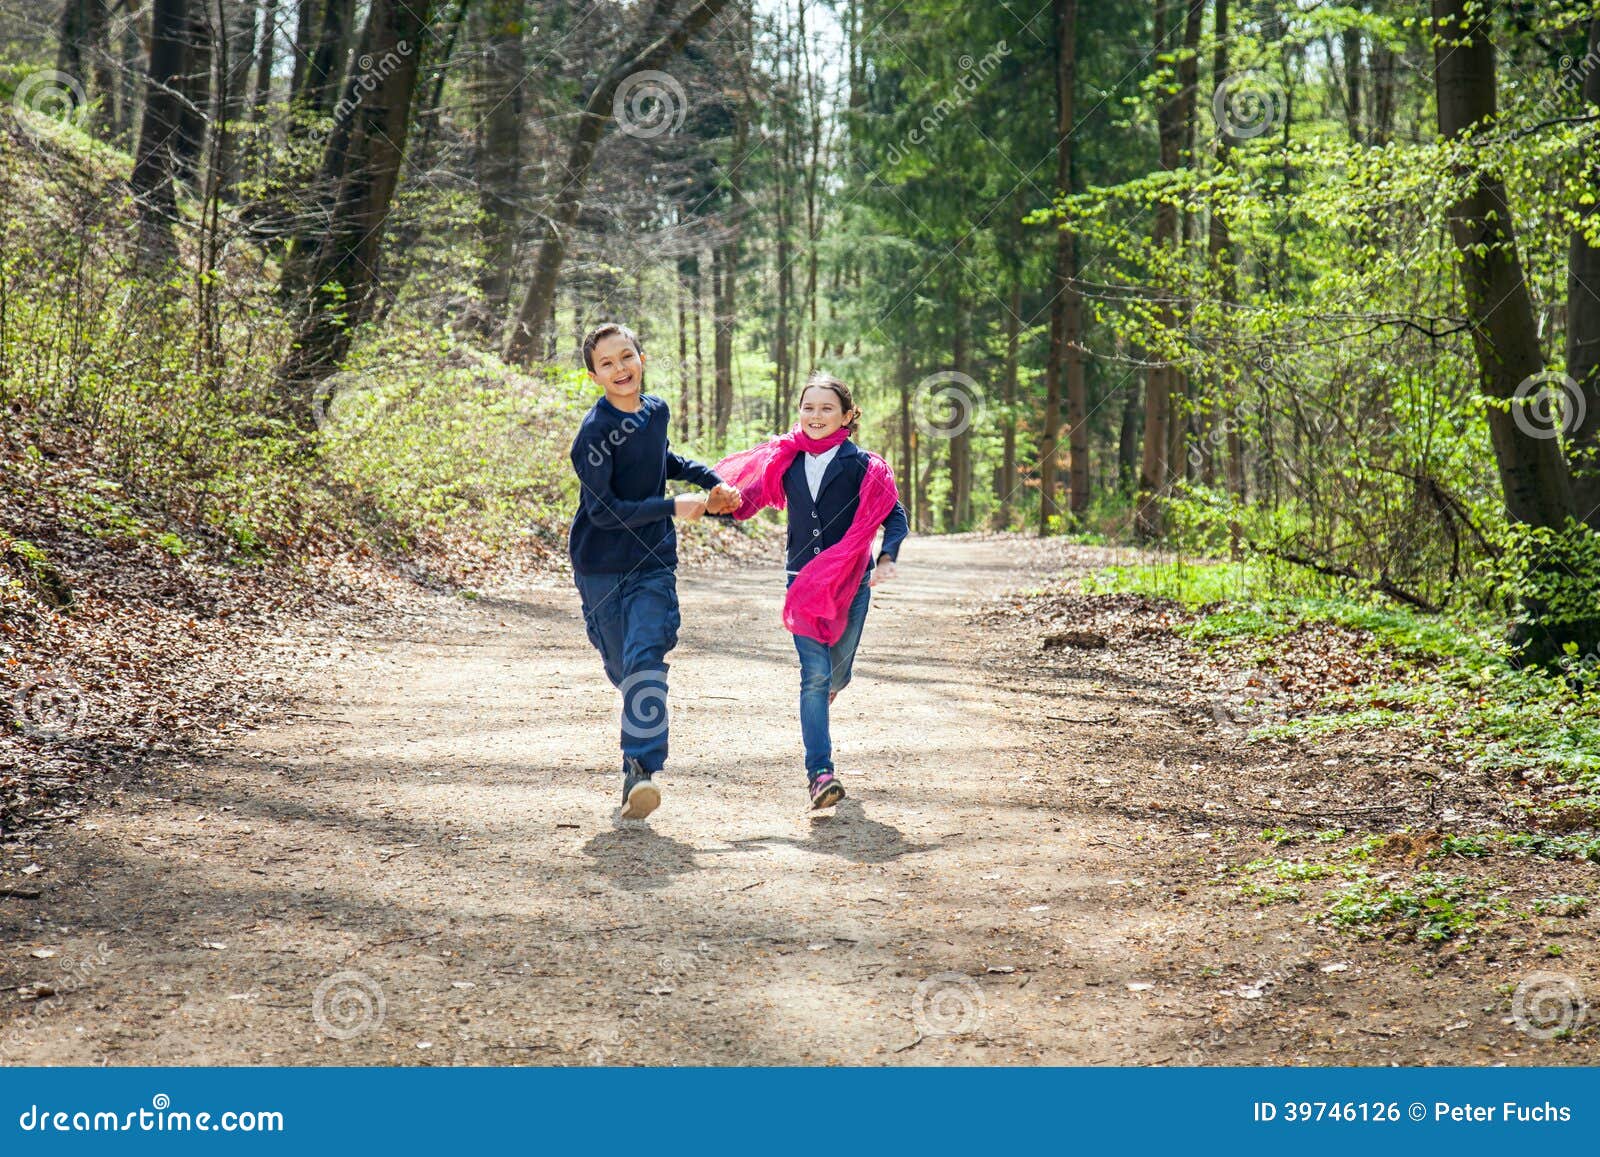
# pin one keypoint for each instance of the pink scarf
(818, 603)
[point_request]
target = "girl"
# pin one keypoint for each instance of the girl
(837, 496)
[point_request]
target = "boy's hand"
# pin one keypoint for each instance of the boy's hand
(883, 572)
(724, 499)
(689, 506)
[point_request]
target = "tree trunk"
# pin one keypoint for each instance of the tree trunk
(683, 352)
(905, 371)
(1223, 259)
(1061, 359)
(1383, 61)
(1070, 299)
(781, 372)
(194, 88)
(155, 159)
(1498, 303)
(83, 50)
(266, 50)
(699, 348)
(305, 26)
(1350, 49)
(364, 159)
(1153, 472)
(1008, 464)
(959, 509)
(1128, 441)
(231, 82)
(525, 339)
(500, 150)
(326, 65)
(1583, 328)
(724, 275)
(132, 69)
(812, 177)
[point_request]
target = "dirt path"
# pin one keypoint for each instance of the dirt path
(425, 868)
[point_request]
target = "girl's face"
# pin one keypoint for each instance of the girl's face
(820, 412)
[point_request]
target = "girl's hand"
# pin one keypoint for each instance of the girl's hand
(883, 572)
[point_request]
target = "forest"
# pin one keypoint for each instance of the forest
(1219, 276)
(1265, 332)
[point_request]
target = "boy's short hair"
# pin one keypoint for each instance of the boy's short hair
(605, 330)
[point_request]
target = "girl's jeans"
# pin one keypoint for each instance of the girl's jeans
(824, 669)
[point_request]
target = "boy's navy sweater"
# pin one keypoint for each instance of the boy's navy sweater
(624, 522)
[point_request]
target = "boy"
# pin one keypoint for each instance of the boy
(624, 549)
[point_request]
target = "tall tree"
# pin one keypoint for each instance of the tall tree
(194, 90)
(649, 52)
(325, 63)
(1498, 302)
(363, 160)
(499, 159)
(1583, 321)
(266, 45)
(1153, 472)
(155, 164)
(1223, 259)
(1064, 364)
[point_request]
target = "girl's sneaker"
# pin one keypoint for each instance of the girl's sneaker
(826, 790)
(640, 795)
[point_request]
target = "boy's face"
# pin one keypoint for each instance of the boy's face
(618, 367)
(820, 412)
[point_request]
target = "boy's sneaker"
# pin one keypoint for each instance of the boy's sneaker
(826, 790)
(640, 795)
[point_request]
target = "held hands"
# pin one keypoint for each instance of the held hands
(883, 572)
(723, 499)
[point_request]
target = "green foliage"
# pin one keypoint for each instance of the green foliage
(439, 438)
(1450, 680)
(1431, 908)
(1554, 570)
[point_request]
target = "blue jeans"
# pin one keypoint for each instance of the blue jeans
(824, 669)
(633, 621)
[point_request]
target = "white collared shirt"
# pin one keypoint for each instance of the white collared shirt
(816, 467)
